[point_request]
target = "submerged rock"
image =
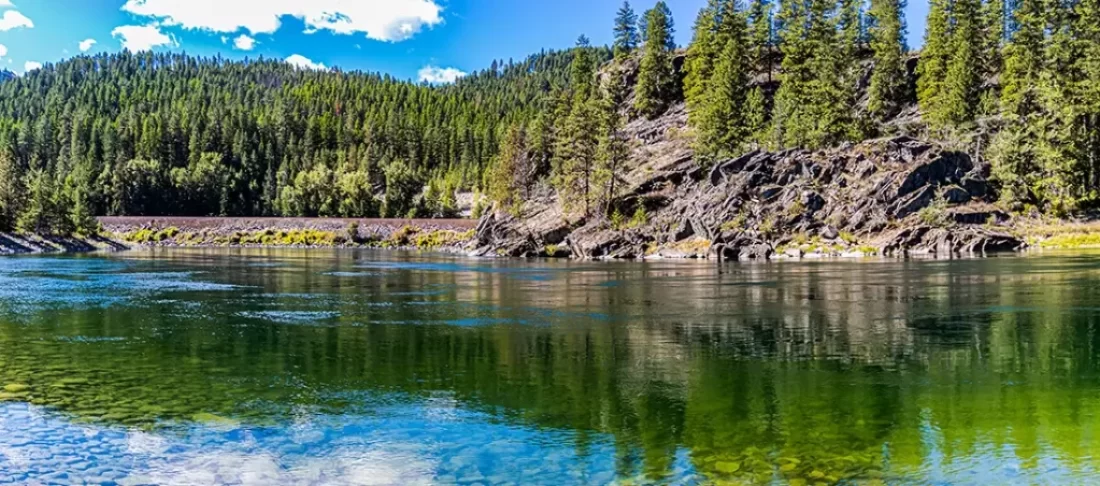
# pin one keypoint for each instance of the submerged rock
(16, 388)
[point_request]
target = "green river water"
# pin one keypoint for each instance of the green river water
(349, 367)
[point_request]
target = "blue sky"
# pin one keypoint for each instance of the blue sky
(412, 39)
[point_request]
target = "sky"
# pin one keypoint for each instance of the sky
(423, 40)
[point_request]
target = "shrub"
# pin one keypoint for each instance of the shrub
(617, 220)
(640, 218)
(768, 226)
(935, 214)
(353, 232)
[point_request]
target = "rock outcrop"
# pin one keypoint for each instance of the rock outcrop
(894, 196)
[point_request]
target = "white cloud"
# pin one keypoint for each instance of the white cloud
(384, 20)
(31, 66)
(6, 3)
(303, 62)
(3, 49)
(14, 20)
(86, 44)
(244, 43)
(436, 75)
(139, 38)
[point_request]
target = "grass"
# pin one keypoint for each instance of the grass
(407, 236)
(815, 244)
(738, 223)
(1060, 234)
(867, 250)
(149, 236)
(1071, 241)
(442, 238)
(693, 246)
(767, 227)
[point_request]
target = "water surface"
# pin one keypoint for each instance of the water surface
(349, 367)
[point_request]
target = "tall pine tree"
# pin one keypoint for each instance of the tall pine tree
(813, 106)
(1087, 33)
(761, 36)
(961, 84)
(626, 31)
(11, 191)
(510, 172)
(577, 143)
(613, 146)
(722, 128)
(701, 57)
(886, 92)
(656, 78)
(934, 57)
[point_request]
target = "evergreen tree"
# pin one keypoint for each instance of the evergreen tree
(993, 27)
(960, 89)
(626, 31)
(613, 148)
(701, 57)
(1024, 59)
(815, 96)
(39, 212)
(11, 191)
(1040, 156)
(583, 70)
(934, 58)
(80, 217)
(761, 36)
(886, 92)
(850, 27)
(575, 153)
(541, 142)
(575, 156)
(756, 117)
(656, 79)
(511, 171)
(722, 128)
(1087, 90)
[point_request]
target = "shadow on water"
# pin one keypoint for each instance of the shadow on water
(969, 371)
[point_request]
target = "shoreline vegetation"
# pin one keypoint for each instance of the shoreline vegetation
(422, 234)
(459, 236)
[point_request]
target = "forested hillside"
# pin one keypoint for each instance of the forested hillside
(1014, 84)
(157, 134)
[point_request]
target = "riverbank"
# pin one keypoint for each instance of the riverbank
(462, 236)
(14, 243)
(424, 234)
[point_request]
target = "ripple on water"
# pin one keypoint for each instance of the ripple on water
(353, 274)
(291, 317)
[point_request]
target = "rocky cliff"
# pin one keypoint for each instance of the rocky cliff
(894, 196)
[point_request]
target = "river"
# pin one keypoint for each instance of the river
(359, 367)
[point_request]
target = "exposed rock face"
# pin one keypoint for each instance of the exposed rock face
(891, 196)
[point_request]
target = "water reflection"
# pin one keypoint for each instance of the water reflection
(972, 371)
